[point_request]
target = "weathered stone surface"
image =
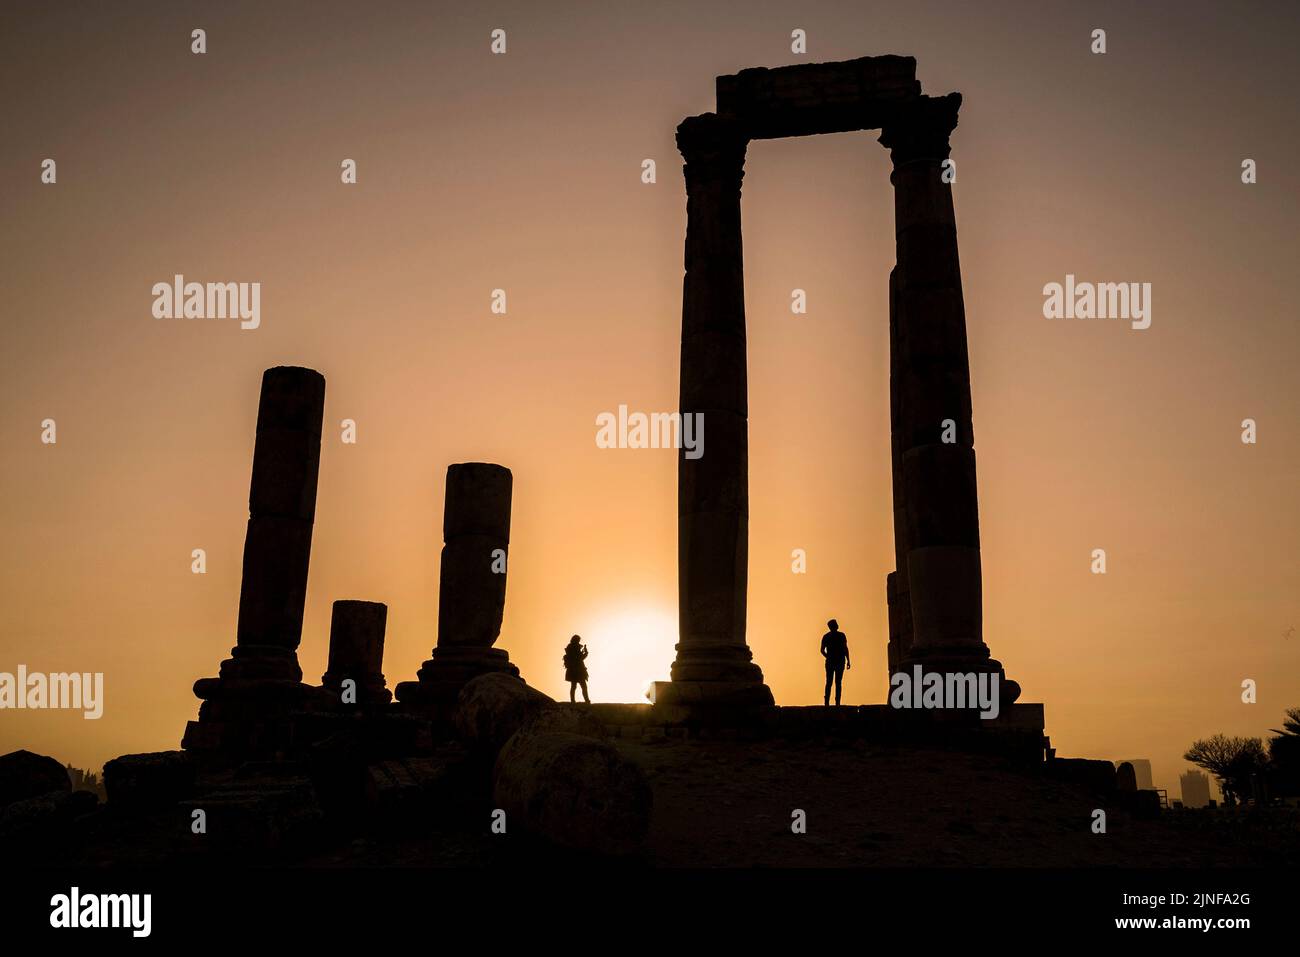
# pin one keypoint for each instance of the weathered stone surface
(811, 98)
(472, 595)
(477, 501)
(942, 509)
(571, 719)
(25, 774)
(900, 621)
(945, 589)
(493, 707)
(714, 372)
(38, 818)
(150, 780)
(572, 790)
(718, 481)
(1096, 776)
(405, 787)
(262, 812)
(736, 694)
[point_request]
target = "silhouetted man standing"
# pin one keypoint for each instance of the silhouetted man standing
(835, 649)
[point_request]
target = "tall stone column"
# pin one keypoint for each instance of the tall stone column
(713, 665)
(357, 652)
(936, 510)
(261, 681)
(471, 588)
(896, 589)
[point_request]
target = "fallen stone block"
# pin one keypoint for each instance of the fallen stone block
(150, 780)
(1096, 776)
(575, 791)
(493, 707)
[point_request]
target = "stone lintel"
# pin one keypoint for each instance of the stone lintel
(812, 98)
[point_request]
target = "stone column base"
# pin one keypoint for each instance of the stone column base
(371, 690)
(248, 711)
(450, 669)
(714, 662)
(713, 703)
(738, 694)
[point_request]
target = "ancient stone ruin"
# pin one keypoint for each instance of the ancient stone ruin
(273, 758)
(935, 614)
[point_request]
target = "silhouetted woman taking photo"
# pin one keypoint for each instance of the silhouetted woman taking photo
(575, 668)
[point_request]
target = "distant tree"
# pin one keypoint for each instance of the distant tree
(1285, 752)
(1231, 760)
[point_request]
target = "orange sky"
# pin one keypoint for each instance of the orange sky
(522, 172)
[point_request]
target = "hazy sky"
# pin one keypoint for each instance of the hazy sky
(522, 172)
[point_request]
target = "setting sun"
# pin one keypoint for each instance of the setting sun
(629, 648)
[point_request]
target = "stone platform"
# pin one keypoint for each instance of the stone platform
(1017, 732)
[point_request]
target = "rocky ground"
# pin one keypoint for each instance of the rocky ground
(715, 803)
(730, 804)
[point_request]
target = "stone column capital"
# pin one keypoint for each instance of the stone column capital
(714, 149)
(919, 129)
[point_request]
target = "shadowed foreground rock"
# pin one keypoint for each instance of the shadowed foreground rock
(25, 774)
(403, 788)
(1097, 776)
(255, 814)
(45, 818)
(574, 791)
(493, 707)
(150, 780)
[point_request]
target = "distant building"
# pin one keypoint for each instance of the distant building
(1196, 789)
(1142, 770)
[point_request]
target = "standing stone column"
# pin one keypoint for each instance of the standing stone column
(357, 651)
(471, 587)
(713, 665)
(936, 515)
(896, 591)
(261, 681)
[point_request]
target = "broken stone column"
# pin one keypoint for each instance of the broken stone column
(244, 709)
(936, 517)
(471, 588)
(714, 665)
(357, 653)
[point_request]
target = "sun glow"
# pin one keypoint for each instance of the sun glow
(629, 647)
